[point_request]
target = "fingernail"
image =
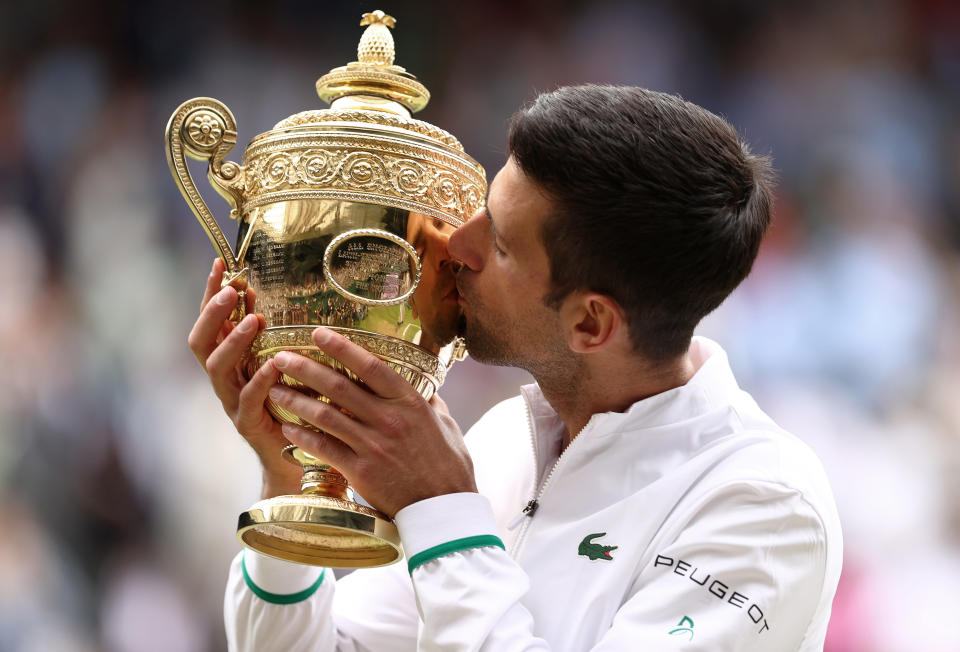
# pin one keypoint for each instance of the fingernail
(321, 336)
(277, 392)
(223, 297)
(281, 360)
(296, 434)
(246, 324)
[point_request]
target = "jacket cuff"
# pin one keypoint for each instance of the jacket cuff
(277, 581)
(446, 524)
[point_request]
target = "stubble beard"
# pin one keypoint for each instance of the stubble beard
(485, 345)
(541, 354)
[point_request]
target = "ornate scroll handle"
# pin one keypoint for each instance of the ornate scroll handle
(204, 129)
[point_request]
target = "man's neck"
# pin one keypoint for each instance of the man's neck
(614, 389)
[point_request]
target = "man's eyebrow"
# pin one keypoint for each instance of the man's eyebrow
(493, 225)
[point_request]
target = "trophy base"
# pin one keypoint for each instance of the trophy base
(320, 531)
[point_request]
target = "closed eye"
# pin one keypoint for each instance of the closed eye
(493, 234)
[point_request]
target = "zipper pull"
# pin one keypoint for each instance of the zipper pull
(528, 511)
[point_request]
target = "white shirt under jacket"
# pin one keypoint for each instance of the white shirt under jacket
(725, 536)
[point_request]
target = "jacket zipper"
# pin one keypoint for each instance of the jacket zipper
(532, 504)
(526, 515)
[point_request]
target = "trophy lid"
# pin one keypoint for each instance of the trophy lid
(373, 83)
(366, 146)
(373, 75)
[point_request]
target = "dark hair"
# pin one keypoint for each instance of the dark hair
(658, 204)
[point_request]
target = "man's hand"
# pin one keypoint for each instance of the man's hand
(219, 345)
(396, 448)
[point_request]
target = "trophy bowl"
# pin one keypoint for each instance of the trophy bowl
(344, 216)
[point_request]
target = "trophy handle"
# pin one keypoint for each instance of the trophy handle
(205, 130)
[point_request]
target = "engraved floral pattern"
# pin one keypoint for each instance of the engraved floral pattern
(338, 171)
(446, 191)
(205, 129)
(426, 378)
(472, 199)
(314, 167)
(409, 177)
(363, 170)
(277, 170)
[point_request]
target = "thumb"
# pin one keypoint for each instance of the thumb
(439, 405)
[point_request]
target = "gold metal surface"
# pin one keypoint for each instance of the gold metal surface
(343, 219)
(386, 163)
(383, 119)
(374, 73)
(320, 531)
(350, 253)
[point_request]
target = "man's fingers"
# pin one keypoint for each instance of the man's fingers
(333, 384)
(225, 330)
(324, 416)
(324, 447)
(380, 378)
(254, 393)
(203, 335)
(439, 405)
(222, 362)
(213, 282)
(251, 299)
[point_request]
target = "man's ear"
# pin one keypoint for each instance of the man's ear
(592, 321)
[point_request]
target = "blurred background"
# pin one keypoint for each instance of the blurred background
(120, 478)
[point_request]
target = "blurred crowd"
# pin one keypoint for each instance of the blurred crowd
(120, 478)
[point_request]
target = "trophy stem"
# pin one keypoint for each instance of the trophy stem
(323, 481)
(322, 526)
(318, 479)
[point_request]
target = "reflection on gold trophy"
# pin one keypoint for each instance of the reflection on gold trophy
(344, 215)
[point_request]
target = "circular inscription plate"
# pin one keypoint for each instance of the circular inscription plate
(371, 266)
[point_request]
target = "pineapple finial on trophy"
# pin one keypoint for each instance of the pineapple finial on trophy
(376, 44)
(374, 82)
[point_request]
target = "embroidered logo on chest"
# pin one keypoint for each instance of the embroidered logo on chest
(594, 551)
(685, 626)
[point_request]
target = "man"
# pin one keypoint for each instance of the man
(634, 498)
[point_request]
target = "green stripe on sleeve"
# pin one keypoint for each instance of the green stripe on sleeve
(279, 598)
(453, 546)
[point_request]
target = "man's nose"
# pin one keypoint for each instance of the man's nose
(464, 243)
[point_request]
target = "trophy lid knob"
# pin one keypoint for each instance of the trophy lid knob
(376, 44)
(373, 82)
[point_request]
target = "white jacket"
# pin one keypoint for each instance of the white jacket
(689, 522)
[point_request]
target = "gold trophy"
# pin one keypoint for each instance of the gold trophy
(344, 215)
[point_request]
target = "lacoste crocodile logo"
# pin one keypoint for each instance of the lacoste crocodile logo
(594, 551)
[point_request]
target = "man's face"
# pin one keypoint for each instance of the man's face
(505, 276)
(435, 299)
